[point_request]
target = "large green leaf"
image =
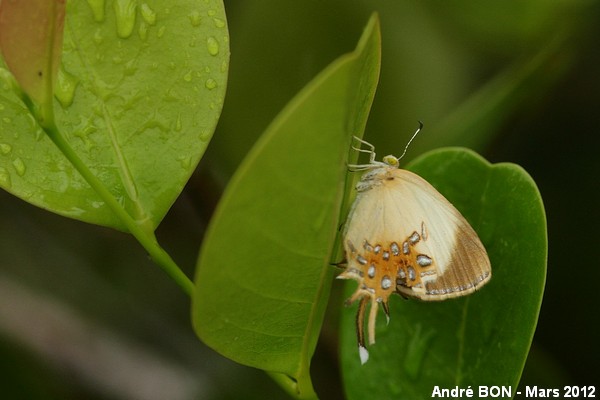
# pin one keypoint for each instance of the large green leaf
(139, 92)
(480, 339)
(263, 277)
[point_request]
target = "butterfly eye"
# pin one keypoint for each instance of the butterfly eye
(391, 161)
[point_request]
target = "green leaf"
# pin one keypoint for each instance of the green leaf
(139, 92)
(480, 339)
(263, 276)
(476, 121)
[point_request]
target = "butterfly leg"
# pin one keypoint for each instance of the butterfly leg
(369, 150)
(386, 310)
(340, 264)
(360, 334)
(372, 319)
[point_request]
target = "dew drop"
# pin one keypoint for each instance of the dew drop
(6, 120)
(143, 31)
(210, 84)
(130, 67)
(33, 124)
(97, 7)
(204, 135)
(211, 13)
(161, 31)
(19, 166)
(195, 18)
(5, 148)
(39, 134)
(5, 181)
(212, 45)
(188, 76)
(185, 162)
(65, 87)
(125, 14)
(148, 14)
(219, 23)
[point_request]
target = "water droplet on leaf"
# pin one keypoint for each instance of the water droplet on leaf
(212, 45)
(130, 67)
(185, 162)
(210, 84)
(219, 23)
(19, 166)
(204, 135)
(125, 14)
(97, 7)
(65, 87)
(148, 14)
(143, 31)
(5, 181)
(5, 148)
(195, 18)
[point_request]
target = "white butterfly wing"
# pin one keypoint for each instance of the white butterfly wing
(443, 253)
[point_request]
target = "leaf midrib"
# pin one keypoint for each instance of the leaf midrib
(125, 175)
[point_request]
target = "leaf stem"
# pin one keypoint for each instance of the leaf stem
(145, 236)
(299, 390)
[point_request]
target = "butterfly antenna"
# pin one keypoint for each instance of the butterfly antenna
(411, 139)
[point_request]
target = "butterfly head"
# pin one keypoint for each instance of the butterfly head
(391, 161)
(388, 161)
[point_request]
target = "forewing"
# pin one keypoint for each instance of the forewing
(460, 259)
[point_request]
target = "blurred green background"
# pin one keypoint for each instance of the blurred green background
(85, 315)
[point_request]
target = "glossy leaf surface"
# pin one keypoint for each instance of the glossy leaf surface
(138, 95)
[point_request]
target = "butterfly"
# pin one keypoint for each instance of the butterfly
(402, 236)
